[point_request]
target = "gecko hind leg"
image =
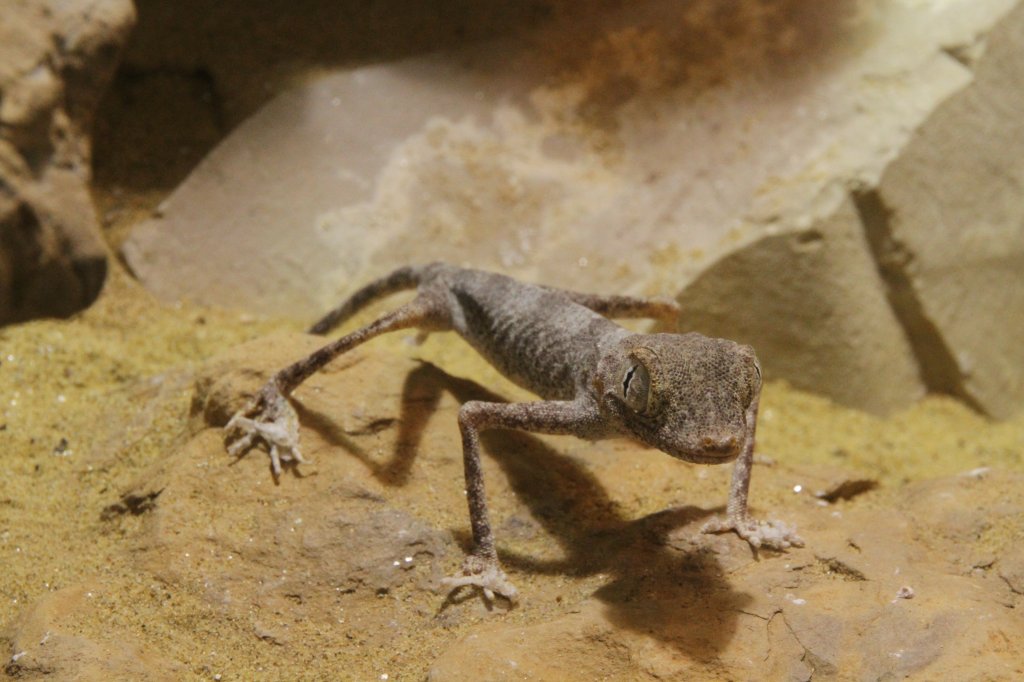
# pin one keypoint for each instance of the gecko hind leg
(626, 307)
(269, 417)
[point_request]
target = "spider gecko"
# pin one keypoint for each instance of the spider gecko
(688, 395)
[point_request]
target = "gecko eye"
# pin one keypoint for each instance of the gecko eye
(636, 385)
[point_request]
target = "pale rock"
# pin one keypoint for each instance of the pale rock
(952, 229)
(943, 229)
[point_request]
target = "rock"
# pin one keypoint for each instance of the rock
(577, 646)
(55, 61)
(663, 149)
(330, 553)
(942, 227)
(950, 229)
(250, 51)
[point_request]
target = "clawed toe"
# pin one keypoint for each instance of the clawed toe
(486, 574)
(268, 418)
(241, 445)
(767, 534)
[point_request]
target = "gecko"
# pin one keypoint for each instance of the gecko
(691, 396)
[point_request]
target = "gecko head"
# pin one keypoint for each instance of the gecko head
(685, 394)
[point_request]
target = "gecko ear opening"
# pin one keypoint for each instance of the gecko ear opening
(636, 387)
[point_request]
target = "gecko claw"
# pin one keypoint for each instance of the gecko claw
(486, 574)
(270, 418)
(768, 534)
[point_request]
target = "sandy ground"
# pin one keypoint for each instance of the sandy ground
(91, 402)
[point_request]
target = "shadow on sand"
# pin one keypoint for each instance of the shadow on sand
(679, 597)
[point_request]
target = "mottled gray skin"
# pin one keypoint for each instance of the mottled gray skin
(688, 395)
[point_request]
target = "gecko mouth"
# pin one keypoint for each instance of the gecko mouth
(702, 455)
(712, 458)
(712, 451)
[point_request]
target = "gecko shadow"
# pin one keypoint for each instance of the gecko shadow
(679, 597)
(421, 393)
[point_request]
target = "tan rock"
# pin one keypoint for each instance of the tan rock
(944, 231)
(951, 230)
(335, 552)
(1011, 570)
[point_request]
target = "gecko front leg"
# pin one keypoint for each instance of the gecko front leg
(481, 567)
(269, 417)
(770, 534)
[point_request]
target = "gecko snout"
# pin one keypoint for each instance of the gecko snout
(724, 446)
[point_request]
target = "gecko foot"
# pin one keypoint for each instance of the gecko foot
(270, 418)
(486, 574)
(767, 534)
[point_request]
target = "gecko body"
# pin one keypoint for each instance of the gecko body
(689, 395)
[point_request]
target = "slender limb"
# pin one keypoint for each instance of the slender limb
(270, 418)
(739, 488)
(771, 534)
(481, 567)
(626, 306)
(399, 280)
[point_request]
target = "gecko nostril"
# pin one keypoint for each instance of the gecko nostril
(720, 444)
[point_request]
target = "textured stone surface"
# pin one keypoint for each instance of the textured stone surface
(642, 151)
(951, 230)
(55, 61)
(644, 134)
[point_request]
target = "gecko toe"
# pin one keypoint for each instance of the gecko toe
(485, 574)
(269, 419)
(242, 444)
(772, 534)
